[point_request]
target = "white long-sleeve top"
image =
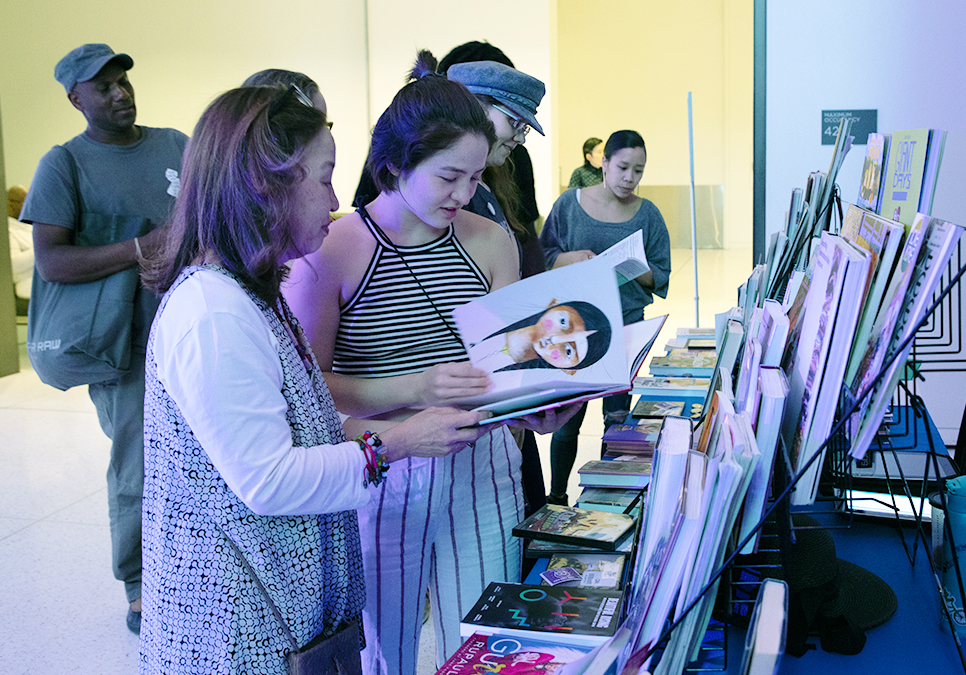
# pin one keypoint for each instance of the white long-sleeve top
(219, 361)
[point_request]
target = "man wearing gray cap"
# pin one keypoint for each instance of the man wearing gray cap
(111, 187)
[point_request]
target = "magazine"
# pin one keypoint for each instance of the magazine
(483, 653)
(572, 616)
(570, 525)
(553, 339)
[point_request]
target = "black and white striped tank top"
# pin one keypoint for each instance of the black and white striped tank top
(399, 321)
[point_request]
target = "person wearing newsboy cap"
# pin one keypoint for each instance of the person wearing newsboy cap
(510, 99)
(111, 189)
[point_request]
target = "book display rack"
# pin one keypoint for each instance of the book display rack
(907, 462)
(812, 416)
(901, 494)
(906, 459)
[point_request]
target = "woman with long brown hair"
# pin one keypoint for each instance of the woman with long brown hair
(250, 535)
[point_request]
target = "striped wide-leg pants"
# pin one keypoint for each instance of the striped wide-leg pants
(443, 524)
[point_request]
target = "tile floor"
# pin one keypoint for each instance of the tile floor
(60, 608)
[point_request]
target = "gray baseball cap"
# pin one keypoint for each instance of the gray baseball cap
(85, 62)
(518, 91)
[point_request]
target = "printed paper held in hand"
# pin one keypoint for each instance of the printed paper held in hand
(628, 258)
(553, 338)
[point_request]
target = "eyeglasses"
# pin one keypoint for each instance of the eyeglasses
(292, 92)
(517, 123)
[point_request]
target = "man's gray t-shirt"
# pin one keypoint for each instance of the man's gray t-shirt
(140, 180)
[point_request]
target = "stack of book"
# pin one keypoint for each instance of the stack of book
(632, 440)
(630, 473)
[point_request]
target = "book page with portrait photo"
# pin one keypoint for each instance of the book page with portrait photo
(549, 335)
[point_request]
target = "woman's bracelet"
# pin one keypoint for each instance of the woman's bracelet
(377, 463)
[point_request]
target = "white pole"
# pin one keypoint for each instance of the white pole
(694, 231)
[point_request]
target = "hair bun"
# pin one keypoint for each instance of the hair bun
(425, 65)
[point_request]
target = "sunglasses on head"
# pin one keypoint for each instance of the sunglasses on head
(292, 92)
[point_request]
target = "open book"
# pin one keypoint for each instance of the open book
(553, 339)
(628, 257)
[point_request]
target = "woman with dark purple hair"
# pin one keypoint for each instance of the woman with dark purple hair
(376, 300)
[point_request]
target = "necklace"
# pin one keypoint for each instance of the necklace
(285, 318)
(402, 258)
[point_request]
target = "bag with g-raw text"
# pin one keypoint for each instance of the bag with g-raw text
(81, 333)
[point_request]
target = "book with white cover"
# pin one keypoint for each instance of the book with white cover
(753, 290)
(747, 383)
(817, 365)
(552, 338)
(765, 641)
(774, 333)
(695, 331)
(806, 354)
(655, 580)
(833, 376)
(930, 174)
(774, 390)
(665, 496)
(735, 457)
(940, 241)
(628, 257)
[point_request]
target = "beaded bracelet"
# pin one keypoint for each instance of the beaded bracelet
(377, 463)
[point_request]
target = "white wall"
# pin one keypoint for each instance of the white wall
(396, 30)
(185, 53)
(901, 58)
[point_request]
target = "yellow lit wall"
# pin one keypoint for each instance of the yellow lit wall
(185, 53)
(608, 64)
(629, 64)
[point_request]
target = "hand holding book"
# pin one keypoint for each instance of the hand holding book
(445, 383)
(545, 421)
(553, 339)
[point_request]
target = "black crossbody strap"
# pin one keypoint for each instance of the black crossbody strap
(261, 587)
